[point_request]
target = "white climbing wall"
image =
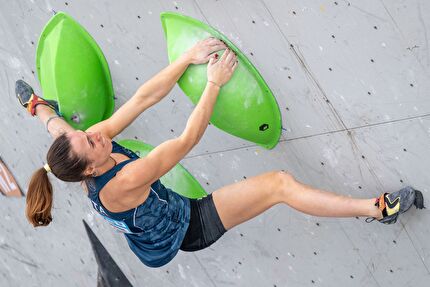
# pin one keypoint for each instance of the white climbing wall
(352, 82)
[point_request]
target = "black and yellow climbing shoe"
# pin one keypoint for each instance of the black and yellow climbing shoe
(393, 204)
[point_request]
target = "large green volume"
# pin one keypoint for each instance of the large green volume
(178, 178)
(73, 71)
(245, 107)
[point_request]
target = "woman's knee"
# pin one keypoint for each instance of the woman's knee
(284, 183)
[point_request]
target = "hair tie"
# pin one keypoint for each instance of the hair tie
(47, 168)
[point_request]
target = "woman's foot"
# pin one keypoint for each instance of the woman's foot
(391, 205)
(29, 100)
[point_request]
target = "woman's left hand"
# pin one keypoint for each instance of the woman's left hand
(201, 52)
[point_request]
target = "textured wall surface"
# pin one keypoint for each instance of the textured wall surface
(351, 80)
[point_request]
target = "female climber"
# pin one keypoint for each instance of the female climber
(126, 191)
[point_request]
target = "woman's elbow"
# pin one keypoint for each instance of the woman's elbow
(189, 140)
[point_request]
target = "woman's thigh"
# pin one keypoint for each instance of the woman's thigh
(241, 201)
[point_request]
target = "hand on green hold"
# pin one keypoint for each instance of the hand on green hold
(202, 51)
(245, 106)
(220, 71)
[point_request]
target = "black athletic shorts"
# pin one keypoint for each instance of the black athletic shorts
(205, 225)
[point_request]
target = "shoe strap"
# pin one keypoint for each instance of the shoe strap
(34, 102)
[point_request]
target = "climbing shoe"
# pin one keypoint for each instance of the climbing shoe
(393, 204)
(29, 100)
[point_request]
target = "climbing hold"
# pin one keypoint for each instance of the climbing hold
(243, 103)
(73, 71)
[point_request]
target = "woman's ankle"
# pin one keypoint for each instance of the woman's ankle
(376, 212)
(44, 111)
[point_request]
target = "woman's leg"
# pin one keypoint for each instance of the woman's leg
(244, 200)
(44, 110)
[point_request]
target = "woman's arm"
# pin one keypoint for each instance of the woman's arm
(165, 156)
(157, 88)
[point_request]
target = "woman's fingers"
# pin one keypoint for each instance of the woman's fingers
(216, 48)
(213, 59)
(233, 68)
(225, 55)
(229, 57)
(214, 41)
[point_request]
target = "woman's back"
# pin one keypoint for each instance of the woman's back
(155, 228)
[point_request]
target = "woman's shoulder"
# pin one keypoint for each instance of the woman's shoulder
(116, 196)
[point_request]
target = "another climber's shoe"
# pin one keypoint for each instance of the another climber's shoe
(393, 204)
(29, 100)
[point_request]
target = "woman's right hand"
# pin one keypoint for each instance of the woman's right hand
(220, 71)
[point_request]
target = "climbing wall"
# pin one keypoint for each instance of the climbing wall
(351, 80)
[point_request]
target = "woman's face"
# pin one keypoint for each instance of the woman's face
(91, 145)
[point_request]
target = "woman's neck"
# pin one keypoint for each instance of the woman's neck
(110, 163)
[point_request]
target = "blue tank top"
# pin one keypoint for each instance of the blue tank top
(154, 229)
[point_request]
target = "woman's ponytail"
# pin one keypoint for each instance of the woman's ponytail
(64, 164)
(39, 199)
